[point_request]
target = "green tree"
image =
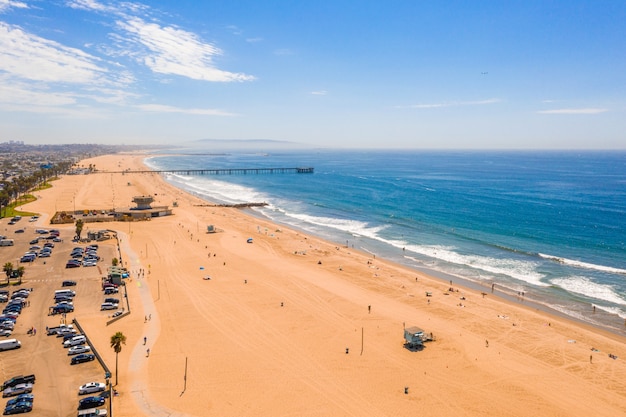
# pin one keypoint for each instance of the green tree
(8, 269)
(117, 340)
(79, 228)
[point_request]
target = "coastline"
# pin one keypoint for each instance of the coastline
(268, 334)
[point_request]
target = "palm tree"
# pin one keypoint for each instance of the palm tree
(8, 269)
(117, 340)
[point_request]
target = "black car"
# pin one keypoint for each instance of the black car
(90, 402)
(112, 300)
(19, 408)
(68, 283)
(83, 357)
(71, 264)
(16, 380)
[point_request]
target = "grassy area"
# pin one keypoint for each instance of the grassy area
(11, 210)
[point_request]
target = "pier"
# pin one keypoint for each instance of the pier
(221, 171)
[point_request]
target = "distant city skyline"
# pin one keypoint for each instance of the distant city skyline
(369, 74)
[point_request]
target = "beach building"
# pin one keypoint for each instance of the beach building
(415, 337)
(143, 210)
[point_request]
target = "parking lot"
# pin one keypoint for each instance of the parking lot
(57, 380)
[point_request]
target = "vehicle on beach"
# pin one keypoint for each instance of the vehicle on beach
(60, 309)
(17, 389)
(65, 292)
(10, 344)
(91, 387)
(110, 290)
(75, 350)
(92, 412)
(75, 341)
(108, 306)
(21, 398)
(68, 283)
(83, 357)
(90, 402)
(16, 380)
(18, 408)
(60, 330)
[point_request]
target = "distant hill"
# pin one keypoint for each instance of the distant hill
(253, 145)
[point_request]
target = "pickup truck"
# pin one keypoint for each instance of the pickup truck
(16, 380)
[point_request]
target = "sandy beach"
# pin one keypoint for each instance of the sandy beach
(291, 325)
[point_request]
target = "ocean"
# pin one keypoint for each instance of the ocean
(548, 225)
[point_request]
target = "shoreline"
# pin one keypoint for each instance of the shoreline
(613, 324)
(295, 325)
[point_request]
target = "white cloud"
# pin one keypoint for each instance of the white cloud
(453, 104)
(574, 111)
(28, 56)
(160, 108)
(169, 50)
(319, 93)
(8, 4)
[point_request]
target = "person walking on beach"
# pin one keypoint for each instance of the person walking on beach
(147, 352)
(145, 339)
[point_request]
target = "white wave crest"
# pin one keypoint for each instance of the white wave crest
(585, 265)
(585, 286)
(517, 269)
(353, 227)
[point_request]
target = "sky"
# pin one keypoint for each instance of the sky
(516, 74)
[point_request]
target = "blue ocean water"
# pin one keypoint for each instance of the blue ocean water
(549, 224)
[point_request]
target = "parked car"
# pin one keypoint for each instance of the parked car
(83, 357)
(21, 398)
(112, 300)
(91, 387)
(68, 283)
(17, 380)
(72, 264)
(110, 290)
(60, 309)
(75, 350)
(108, 306)
(5, 332)
(75, 341)
(18, 408)
(19, 231)
(18, 389)
(90, 402)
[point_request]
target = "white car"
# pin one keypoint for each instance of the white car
(18, 389)
(91, 387)
(108, 306)
(75, 350)
(5, 333)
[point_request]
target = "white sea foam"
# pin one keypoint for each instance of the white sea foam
(354, 227)
(585, 265)
(218, 190)
(517, 269)
(585, 286)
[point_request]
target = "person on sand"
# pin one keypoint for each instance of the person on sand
(148, 352)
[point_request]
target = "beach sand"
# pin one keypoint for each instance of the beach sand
(291, 325)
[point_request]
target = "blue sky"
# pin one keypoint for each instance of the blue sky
(329, 73)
